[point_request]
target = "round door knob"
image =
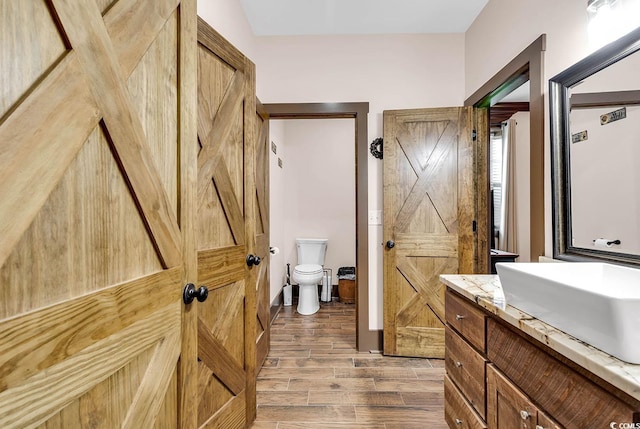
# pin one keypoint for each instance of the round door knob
(190, 293)
(391, 244)
(253, 260)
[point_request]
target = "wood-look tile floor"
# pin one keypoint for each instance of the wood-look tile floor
(315, 378)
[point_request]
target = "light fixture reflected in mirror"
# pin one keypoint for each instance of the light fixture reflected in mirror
(611, 19)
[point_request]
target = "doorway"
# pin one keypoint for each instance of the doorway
(528, 66)
(366, 339)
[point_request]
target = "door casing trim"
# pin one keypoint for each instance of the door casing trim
(527, 65)
(366, 339)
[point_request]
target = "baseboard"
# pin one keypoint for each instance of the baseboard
(273, 311)
(278, 301)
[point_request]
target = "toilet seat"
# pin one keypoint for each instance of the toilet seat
(307, 273)
(308, 276)
(308, 269)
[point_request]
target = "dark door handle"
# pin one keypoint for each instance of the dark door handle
(190, 293)
(253, 260)
(391, 244)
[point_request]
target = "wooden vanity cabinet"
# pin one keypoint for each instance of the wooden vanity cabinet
(509, 408)
(568, 396)
(458, 413)
(465, 363)
(499, 378)
(466, 368)
(466, 318)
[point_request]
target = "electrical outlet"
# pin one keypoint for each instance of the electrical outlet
(279, 163)
(274, 148)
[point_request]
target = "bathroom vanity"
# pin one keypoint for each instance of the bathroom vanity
(507, 369)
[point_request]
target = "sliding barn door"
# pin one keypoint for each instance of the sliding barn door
(429, 214)
(261, 275)
(226, 233)
(96, 191)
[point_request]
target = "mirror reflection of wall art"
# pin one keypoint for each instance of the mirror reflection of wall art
(595, 150)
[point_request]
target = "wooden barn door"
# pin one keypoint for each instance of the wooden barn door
(261, 276)
(429, 214)
(226, 233)
(96, 192)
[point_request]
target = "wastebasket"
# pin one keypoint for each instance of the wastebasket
(347, 284)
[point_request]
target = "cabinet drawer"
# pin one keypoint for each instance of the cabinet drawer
(567, 396)
(508, 407)
(466, 318)
(466, 368)
(457, 411)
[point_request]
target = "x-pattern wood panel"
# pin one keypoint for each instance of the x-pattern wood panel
(427, 291)
(78, 373)
(87, 98)
(424, 186)
(231, 309)
(262, 158)
(214, 354)
(263, 308)
(427, 176)
(210, 165)
(49, 336)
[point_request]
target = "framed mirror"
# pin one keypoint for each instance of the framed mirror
(595, 152)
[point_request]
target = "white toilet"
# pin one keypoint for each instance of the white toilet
(308, 273)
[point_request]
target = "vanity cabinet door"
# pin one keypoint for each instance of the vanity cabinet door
(572, 399)
(507, 406)
(546, 422)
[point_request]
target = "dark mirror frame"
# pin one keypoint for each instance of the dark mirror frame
(559, 108)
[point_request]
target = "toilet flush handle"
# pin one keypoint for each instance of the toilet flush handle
(253, 260)
(391, 244)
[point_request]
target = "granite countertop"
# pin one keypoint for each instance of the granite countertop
(486, 291)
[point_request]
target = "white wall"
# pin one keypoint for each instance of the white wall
(405, 71)
(277, 207)
(602, 205)
(389, 72)
(313, 194)
(522, 190)
(489, 48)
(227, 18)
(319, 184)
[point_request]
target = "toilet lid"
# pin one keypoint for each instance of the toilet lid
(308, 269)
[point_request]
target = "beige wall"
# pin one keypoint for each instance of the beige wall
(602, 206)
(314, 193)
(405, 71)
(277, 199)
(389, 72)
(522, 192)
(488, 48)
(227, 18)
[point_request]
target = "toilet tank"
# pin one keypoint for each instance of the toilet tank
(311, 250)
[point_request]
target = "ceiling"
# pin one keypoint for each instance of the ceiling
(322, 17)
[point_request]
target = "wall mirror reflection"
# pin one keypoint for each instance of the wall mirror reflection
(509, 162)
(595, 137)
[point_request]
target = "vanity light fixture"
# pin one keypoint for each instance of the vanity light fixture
(611, 19)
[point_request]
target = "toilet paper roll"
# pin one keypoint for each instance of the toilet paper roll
(274, 250)
(601, 242)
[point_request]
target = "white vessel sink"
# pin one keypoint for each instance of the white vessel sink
(594, 302)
